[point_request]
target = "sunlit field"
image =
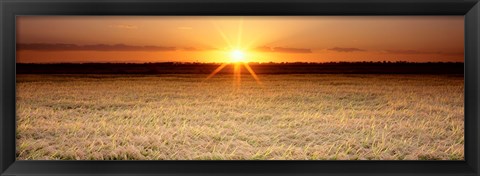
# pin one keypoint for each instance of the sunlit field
(287, 117)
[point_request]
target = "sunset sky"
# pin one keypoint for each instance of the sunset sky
(46, 39)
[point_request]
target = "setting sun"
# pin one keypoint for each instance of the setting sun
(237, 56)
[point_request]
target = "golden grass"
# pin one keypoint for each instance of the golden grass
(289, 117)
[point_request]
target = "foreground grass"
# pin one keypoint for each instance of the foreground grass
(290, 117)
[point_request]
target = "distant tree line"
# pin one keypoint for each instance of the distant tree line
(365, 67)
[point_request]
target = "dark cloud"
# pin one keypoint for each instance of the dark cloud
(199, 49)
(283, 50)
(190, 49)
(97, 47)
(408, 52)
(292, 50)
(339, 49)
(264, 49)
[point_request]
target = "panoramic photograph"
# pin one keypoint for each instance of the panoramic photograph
(240, 88)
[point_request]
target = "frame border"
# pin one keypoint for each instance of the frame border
(9, 9)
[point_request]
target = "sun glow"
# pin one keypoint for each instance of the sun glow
(237, 56)
(237, 59)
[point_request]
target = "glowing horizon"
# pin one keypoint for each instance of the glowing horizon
(53, 39)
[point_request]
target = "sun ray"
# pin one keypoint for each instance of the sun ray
(237, 74)
(237, 57)
(216, 70)
(239, 35)
(254, 75)
(225, 38)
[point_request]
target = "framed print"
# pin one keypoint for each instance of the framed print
(240, 88)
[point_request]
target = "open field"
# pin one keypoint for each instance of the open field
(291, 117)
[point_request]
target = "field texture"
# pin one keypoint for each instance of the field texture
(288, 117)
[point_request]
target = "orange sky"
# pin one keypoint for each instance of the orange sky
(262, 39)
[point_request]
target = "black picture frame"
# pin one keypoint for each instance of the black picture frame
(9, 9)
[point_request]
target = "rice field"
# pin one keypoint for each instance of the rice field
(287, 117)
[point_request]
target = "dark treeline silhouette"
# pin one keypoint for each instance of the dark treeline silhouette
(384, 67)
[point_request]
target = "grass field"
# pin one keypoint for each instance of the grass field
(289, 117)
